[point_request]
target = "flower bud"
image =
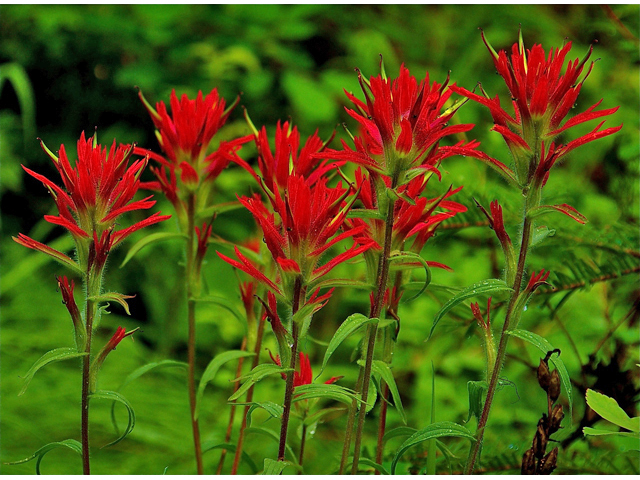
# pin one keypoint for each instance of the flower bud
(556, 419)
(528, 463)
(554, 386)
(549, 462)
(544, 376)
(540, 441)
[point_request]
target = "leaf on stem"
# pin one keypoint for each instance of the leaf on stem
(609, 409)
(274, 467)
(435, 430)
(55, 355)
(212, 369)
(232, 448)
(148, 240)
(41, 452)
(270, 434)
(116, 397)
(369, 463)
(414, 260)
(351, 325)
(257, 374)
(486, 287)
(324, 390)
(382, 369)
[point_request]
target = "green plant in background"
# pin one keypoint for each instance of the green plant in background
(295, 61)
(97, 191)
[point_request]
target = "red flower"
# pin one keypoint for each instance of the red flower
(287, 159)
(97, 191)
(184, 137)
(304, 374)
(542, 97)
(402, 123)
(309, 217)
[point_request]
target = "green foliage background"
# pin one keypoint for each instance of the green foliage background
(70, 68)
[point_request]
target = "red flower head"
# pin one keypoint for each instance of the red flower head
(96, 192)
(184, 137)
(304, 374)
(402, 123)
(304, 226)
(542, 97)
(287, 159)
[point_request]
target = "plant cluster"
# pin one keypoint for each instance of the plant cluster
(320, 208)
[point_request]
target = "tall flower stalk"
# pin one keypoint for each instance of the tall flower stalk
(185, 175)
(97, 191)
(402, 122)
(542, 97)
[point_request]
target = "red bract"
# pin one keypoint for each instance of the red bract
(287, 159)
(402, 123)
(184, 136)
(304, 227)
(542, 97)
(97, 191)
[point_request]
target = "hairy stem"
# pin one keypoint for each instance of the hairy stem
(372, 331)
(502, 347)
(86, 382)
(191, 318)
(288, 393)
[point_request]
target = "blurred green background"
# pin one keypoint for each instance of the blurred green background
(69, 68)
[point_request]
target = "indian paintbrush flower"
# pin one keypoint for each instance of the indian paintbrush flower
(97, 191)
(66, 289)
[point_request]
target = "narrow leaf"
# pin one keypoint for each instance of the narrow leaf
(113, 297)
(414, 257)
(370, 463)
(609, 409)
(41, 452)
(231, 447)
(323, 390)
(271, 408)
(270, 434)
(256, 375)
(148, 240)
(563, 208)
(476, 392)
(225, 303)
(545, 346)
(212, 369)
(365, 213)
(318, 415)
(344, 331)
(274, 467)
(55, 355)
(116, 397)
(485, 287)
(435, 430)
(398, 432)
(382, 369)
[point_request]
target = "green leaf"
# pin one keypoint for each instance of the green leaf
(476, 396)
(113, 297)
(609, 409)
(599, 431)
(208, 212)
(257, 374)
(317, 416)
(540, 234)
(342, 282)
(344, 331)
(116, 397)
(365, 213)
(212, 369)
(55, 355)
(416, 257)
(545, 346)
(270, 434)
(137, 373)
(232, 448)
(370, 463)
(274, 467)
(148, 240)
(382, 369)
(225, 303)
(485, 287)
(398, 432)
(435, 430)
(272, 409)
(323, 390)
(71, 444)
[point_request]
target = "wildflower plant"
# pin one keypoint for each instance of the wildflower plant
(96, 192)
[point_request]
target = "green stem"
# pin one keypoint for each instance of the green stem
(288, 393)
(302, 442)
(191, 318)
(502, 346)
(351, 420)
(372, 330)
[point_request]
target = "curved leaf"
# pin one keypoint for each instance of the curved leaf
(225, 303)
(382, 369)
(323, 390)
(148, 240)
(370, 463)
(563, 208)
(137, 373)
(219, 208)
(231, 447)
(41, 452)
(491, 286)
(435, 430)
(116, 397)
(257, 374)
(55, 355)
(420, 260)
(345, 330)
(403, 431)
(545, 346)
(274, 467)
(271, 408)
(212, 369)
(317, 416)
(609, 409)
